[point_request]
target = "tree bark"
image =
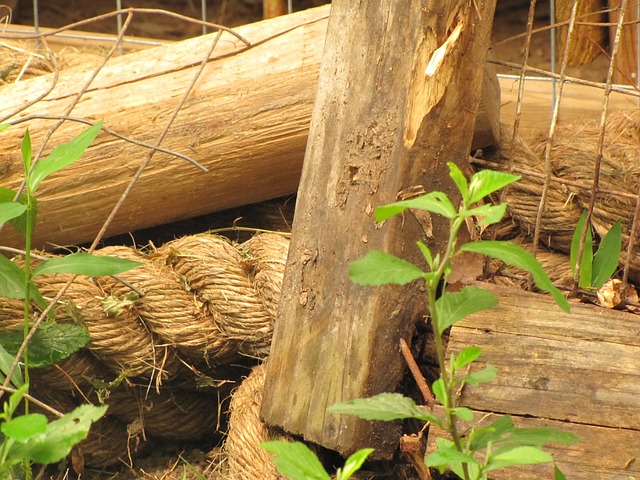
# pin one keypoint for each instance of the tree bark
(381, 129)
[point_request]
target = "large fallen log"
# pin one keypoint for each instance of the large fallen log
(246, 121)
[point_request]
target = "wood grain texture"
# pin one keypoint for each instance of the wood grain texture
(335, 340)
(576, 370)
(603, 453)
(246, 121)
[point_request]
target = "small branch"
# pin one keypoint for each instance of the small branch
(417, 374)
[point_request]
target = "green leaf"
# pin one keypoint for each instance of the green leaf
(434, 202)
(24, 427)
(517, 256)
(523, 455)
(4, 126)
(14, 400)
(586, 264)
(439, 391)
(10, 210)
(463, 413)
(488, 214)
(557, 474)
(379, 268)
(481, 437)
(607, 257)
(296, 461)
(466, 356)
(537, 437)
(83, 263)
(426, 253)
(487, 374)
(61, 435)
(460, 180)
(384, 406)
(353, 463)
(12, 283)
(26, 151)
(452, 307)
(62, 156)
(6, 360)
(485, 182)
(20, 222)
(448, 456)
(51, 343)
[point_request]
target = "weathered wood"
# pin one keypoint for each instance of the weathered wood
(579, 367)
(247, 121)
(380, 126)
(603, 453)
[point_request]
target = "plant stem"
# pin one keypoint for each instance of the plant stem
(432, 292)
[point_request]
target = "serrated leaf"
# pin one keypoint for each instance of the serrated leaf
(380, 268)
(6, 360)
(460, 180)
(487, 374)
(385, 407)
(434, 202)
(586, 264)
(61, 435)
(510, 456)
(452, 307)
(51, 343)
(24, 427)
(83, 263)
(486, 182)
(10, 210)
(353, 463)
(607, 257)
(62, 156)
(466, 356)
(295, 460)
(517, 256)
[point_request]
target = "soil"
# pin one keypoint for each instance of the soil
(510, 21)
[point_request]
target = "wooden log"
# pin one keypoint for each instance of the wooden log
(247, 121)
(576, 371)
(380, 126)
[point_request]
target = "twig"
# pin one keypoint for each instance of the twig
(35, 401)
(417, 374)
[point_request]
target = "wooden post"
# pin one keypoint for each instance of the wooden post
(381, 128)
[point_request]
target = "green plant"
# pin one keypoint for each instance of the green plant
(596, 269)
(481, 450)
(296, 461)
(30, 437)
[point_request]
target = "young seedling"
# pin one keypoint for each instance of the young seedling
(31, 437)
(596, 269)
